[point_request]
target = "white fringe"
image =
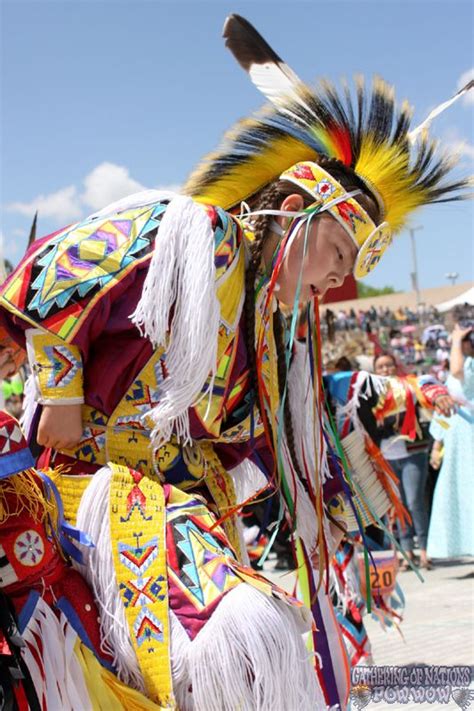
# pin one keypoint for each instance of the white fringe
(307, 439)
(248, 479)
(59, 679)
(251, 656)
(29, 405)
(93, 518)
(300, 393)
(141, 199)
(362, 388)
(306, 527)
(181, 281)
(180, 646)
(342, 593)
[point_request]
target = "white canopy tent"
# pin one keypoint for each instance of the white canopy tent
(467, 297)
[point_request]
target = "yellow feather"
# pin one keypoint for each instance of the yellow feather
(245, 179)
(386, 167)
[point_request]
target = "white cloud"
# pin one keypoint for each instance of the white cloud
(468, 75)
(463, 149)
(63, 205)
(107, 183)
(457, 145)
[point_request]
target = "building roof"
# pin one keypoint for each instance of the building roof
(428, 297)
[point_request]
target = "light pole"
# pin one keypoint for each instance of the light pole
(414, 274)
(452, 276)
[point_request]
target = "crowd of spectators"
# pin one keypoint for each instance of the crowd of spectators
(383, 317)
(418, 339)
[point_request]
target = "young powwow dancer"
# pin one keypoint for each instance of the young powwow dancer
(164, 372)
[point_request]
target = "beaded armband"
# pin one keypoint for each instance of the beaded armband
(431, 392)
(56, 367)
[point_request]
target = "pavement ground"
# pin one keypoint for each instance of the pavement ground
(437, 627)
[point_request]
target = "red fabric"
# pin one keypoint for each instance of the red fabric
(11, 437)
(34, 563)
(345, 292)
(5, 650)
(68, 584)
(432, 391)
(409, 421)
(20, 697)
(32, 555)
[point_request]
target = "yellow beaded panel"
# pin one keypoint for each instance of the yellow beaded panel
(57, 368)
(137, 532)
(71, 488)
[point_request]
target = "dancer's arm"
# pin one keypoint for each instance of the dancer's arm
(456, 359)
(60, 426)
(436, 454)
(57, 371)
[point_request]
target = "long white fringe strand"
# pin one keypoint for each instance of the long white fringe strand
(181, 282)
(29, 405)
(248, 479)
(251, 656)
(180, 646)
(300, 393)
(60, 679)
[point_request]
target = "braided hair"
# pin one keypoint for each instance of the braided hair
(271, 198)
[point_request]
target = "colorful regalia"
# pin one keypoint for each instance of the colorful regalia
(54, 620)
(136, 314)
(360, 403)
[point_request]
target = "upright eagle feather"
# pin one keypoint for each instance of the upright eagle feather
(270, 74)
(371, 135)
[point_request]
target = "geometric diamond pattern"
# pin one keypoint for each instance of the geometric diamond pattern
(64, 365)
(139, 558)
(11, 438)
(147, 626)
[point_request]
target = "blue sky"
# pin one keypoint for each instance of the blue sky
(100, 99)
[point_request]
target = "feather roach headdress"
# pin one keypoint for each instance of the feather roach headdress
(367, 133)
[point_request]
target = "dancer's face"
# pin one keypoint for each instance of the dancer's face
(330, 256)
(385, 365)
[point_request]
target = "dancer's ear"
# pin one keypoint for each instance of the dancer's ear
(292, 203)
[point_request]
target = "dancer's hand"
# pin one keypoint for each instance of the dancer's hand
(60, 426)
(459, 333)
(444, 405)
(436, 456)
